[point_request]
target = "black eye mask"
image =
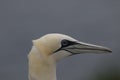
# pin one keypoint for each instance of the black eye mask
(66, 43)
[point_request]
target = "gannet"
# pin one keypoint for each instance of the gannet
(50, 49)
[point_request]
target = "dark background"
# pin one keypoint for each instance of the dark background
(92, 21)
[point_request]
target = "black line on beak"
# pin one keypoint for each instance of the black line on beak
(66, 43)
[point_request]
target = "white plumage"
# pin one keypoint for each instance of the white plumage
(51, 48)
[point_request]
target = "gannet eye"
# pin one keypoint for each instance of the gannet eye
(65, 43)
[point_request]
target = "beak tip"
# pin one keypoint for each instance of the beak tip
(108, 50)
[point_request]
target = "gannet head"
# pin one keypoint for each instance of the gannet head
(59, 46)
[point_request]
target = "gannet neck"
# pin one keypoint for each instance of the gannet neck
(41, 68)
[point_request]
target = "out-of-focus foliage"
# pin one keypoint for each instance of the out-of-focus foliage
(107, 74)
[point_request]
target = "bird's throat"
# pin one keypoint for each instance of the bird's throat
(41, 69)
